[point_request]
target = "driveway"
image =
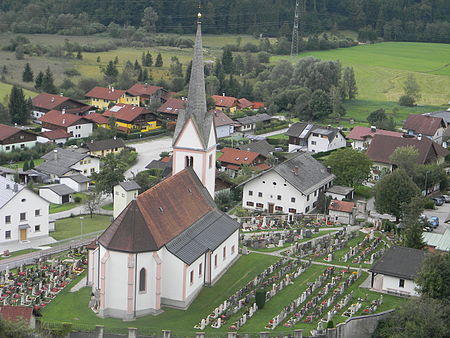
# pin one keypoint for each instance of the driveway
(148, 151)
(442, 212)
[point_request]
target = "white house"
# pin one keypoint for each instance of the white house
(250, 123)
(291, 187)
(12, 138)
(124, 193)
(23, 214)
(396, 270)
(75, 125)
(341, 212)
(339, 192)
(224, 124)
(171, 240)
(57, 193)
(425, 125)
(58, 136)
(361, 137)
(314, 139)
(77, 182)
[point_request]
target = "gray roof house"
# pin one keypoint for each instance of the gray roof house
(57, 193)
(130, 185)
(249, 123)
(314, 138)
(261, 147)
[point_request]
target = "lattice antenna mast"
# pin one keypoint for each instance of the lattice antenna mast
(294, 45)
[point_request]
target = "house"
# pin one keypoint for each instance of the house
(12, 138)
(132, 119)
(396, 270)
(101, 148)
(58, 136)
(164, 164)
(224, 124)
(437, 242)
(341, 212)
(76, 182)
(18, 314)
(57, 193)
(244, 104)
(225, 103)
(360, 137)
(425, 125)
(23, 214)
(103, 98)
(22, 176)
(170, 109)
(124, 193)
(98, 119)
(44, 102)
(172, 240)
(251, 123)
(149, 94)
(314, 138)
(291, 187)
(262, 147)
(65, 162)
(75, 125)
(444, 114)
(232, 160)
(382, 147)
(339, 192)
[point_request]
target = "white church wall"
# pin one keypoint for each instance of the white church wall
(172, 287)
(188, 138)
(194, 284)
(92, 267)
(231, 246)
(145, 299)
(116, 280)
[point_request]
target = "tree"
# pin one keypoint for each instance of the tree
(381, 120)
(393, 191)
(25, 166)
(93, 201)
(411, 87)
(10, 329)
(405, 158)
(111, 72)
(79, 55)
(336, 103)
(48, 85)
(148, 178)
(413, 227)
(159, 61)
(149, 20)
(27, 75)
(430, 175)
(349, 83)
(4, 115)
(18, 106)
(227, 61)
(111, 174)
(38, 81)
(148, 60)
(434, 276)
(19, 53)
(350, 166)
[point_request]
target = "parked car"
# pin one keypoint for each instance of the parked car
(434, 221)
(438, 201)
(446, 198)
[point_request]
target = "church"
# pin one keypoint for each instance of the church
(170, 242)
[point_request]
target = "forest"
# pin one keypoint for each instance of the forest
(392, 20)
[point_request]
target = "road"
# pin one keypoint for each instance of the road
(148, 151)
(442, 212)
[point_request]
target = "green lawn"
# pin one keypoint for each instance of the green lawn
(5, 89)
(109, 206)
(73, 307)
(37, 162)
(18, 253)
(71, 227)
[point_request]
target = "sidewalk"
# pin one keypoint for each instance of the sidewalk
(32, 244)
(80, 210)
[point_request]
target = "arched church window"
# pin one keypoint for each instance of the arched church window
(189, 161)
(142, 279)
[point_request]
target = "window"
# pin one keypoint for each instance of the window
(233, 249)
(189, 161)
(279, 197)
(22, 146)
(307, 198)
(191, 277)
(23, 216)
(7, 147)
(260, 194)
(8, 219)
(92, 170)
(306, 210)
(23, 200)
(292, 211)
(215, 261)
(37, 228)
(22, 137)
(117, 193)
(210, 161)
(313, 143)
(8, 234)
(315, 193)
(259, 205)
(278, 208)
(250, 193)
(142, 278)
(293, 199)
(200, 270)
(37, 212)
(250, 204)
(274, 183)
(401, 283)
(85, 171)
(224, 255)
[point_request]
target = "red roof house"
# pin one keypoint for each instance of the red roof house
(149, 94)
(45, 102)
(169, 110)
(341, 211)
(15, 138)
(232, 160)
(362, 136)
(223, 102)
(426, 125)
(77, 126)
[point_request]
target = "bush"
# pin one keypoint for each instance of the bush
(330, 324)
(77, 199)
(428, 204)
(406, 100)
(72, 72)
(363, 191)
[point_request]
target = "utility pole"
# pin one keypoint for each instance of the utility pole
(294, 44)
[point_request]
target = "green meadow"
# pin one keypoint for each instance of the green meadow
(5, 89)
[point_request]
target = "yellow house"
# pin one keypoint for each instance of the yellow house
(104, 147)
(102, 97)
(131, 119)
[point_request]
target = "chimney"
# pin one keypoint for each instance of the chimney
(61, 94)
(7, 186)
(419, 137)
(295, 170)
(329, 126)
(112, 89)
(16, 187)
(55, 154)
(373, 129)
(63, 111)
(53, 99)
(329, 169)
(223, 94)
(428, 114)
(92, 141)
(64, 121)
(115, 137)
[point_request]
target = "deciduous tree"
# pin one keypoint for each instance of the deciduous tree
(111, 174)
(405, 158)
(434, 276)
(350, 166)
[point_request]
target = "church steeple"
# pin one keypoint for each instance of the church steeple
(194, 140)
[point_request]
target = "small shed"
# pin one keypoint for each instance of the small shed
(57, 193)
(339, 192)
(341, 211)
(77, 182)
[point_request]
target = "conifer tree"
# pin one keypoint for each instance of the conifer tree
(31, 164)
(25, 165)
(48, 85)
(111, 72)
(148, 60)
(143, 61)
(38, 81)
(27, 75)
(79, 55)
(145, 75)
(18, 106)
(159, 61)
(137, 66)
(227, 61)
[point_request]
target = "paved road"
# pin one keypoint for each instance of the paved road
(148, 151)
(442, 212)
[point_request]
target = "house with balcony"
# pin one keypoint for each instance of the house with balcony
(132, 119)
(74, 125)
(103, 98)
(314, 138)
(12, 138)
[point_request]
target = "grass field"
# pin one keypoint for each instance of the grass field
(5, 89)
(18, 253)
(71, 227)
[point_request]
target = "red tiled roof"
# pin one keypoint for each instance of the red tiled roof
(224, 101)
(125, 112)
(48, 101)
(423, 124)
(237, 156)
(57, 118)
(382, 146)
(166, 159)
(7, 131)
(105, 93)
(257, 105)
(97, 118)
(233, 167)
(16, 313)
(244, 103)
(263, 166)
(143, 89)
(55, 134)
(221, 119)
(342, 206)
(360, 133)
(172, 106)
(93, 245)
